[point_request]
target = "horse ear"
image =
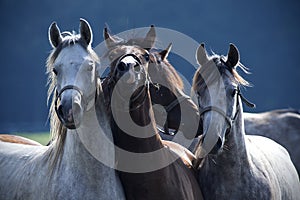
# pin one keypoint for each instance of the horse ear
(164, 53)
(201, 54)
(109, 40)
(85, 31)
(54, 35)
(150, 38)
(233, 56)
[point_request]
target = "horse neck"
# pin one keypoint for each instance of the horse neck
(142, 113)
(91, 140)
(235, 151)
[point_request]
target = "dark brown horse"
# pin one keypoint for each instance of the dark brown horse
(173, 109)
(149, 168)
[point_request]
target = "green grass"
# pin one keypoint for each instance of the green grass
(42, 138)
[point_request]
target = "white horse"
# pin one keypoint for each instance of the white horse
(233, 165)
(70, 167)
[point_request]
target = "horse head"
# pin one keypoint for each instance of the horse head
(127, 86)
(72, 69)
(167, 91)
(217, 85)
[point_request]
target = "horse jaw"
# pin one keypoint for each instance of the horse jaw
(213, 136)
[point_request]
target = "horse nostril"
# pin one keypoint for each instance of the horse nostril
(65, 114)
(76, 109)
(121, 66)
(137, 68)
(60, 111)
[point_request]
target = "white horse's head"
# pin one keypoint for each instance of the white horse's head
(217, 84)
(73, 65)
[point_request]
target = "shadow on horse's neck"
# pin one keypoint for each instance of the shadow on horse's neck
(93, 137)
(236, 141)
(142, 115)
(234, 153)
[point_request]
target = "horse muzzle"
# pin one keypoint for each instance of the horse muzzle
(212, 140)
(129, 67)
(69, 107)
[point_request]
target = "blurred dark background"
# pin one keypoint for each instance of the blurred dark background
(266, 33)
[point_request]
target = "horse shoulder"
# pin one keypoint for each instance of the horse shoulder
(21, 167)
(271, 161)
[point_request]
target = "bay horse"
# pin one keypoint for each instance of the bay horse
(181, 112)
(72, 167)
(149, 168)
(233, 165)
(18, 139)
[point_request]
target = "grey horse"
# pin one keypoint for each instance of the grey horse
(282, 126)
(78, 163)
(233, 165)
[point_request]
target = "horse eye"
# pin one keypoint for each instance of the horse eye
(90, 67)
(147, 57)
(121, 66)
(54, 71)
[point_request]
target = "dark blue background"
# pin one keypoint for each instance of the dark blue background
(266, 33)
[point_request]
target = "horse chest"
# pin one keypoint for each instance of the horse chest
(157, 185)
(144, 185)
(228, 182)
